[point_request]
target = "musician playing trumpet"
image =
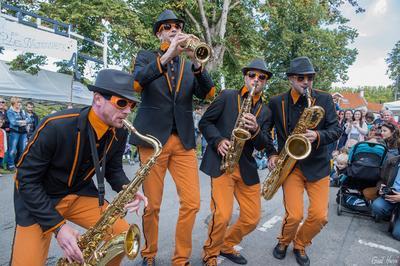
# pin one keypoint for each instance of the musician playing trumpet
(243, 183)
(310, 174)
(167, 83)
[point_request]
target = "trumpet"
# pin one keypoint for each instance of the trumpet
(202, 51)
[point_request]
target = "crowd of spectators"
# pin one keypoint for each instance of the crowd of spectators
(17, 125)
(361, 125)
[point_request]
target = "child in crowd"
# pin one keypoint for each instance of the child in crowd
(339, 166)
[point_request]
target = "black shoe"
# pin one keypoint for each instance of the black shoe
(234, 257)
(301, 257)
(280, 251)
(150, 261)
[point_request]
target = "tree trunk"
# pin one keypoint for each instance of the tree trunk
(217, 58)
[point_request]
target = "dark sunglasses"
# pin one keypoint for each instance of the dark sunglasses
(120, 103)
(301, 78)
(2, 102)
(252, 75)
(168, 26)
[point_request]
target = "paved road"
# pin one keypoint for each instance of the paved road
(346, 240)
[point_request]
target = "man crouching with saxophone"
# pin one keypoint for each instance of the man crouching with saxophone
(246, 107)
(310, 174)
(53, 182)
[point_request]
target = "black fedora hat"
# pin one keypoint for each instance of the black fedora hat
(114, 82)
(257, 64)
(300, 66)
(166, 15)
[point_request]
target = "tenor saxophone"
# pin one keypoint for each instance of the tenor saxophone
(239, 135)
(95, 247)
(297, 147)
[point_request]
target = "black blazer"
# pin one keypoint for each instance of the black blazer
(218, 122)
(158, 108)
(316, 165)
(57, 162)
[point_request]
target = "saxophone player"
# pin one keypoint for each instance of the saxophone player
(310, 174)
(243, 183)
(53, 182)
(167, 83)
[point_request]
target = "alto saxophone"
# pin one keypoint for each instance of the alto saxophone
(239, 135)
(297, 147)
(95, 248)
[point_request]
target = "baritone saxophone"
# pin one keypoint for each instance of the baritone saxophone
(297, 147)
(97, 245)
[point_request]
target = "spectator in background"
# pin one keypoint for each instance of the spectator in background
(388, 117)
(383, 206)
(390, 134)
(3, 114)
(261, 160)
(357, 129)
(364, 111)
(3, 142)
(34, 119)
(340, 114)
(348, 119)
(196, 118)
(378, 120)
(369, 119)
(17, 136)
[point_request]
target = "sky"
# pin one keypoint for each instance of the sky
(379, 30)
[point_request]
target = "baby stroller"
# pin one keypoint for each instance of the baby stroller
(363, 171)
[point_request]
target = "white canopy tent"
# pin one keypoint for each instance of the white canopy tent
(46, 85)
(393, 106)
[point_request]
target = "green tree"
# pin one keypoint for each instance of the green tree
(307, 28)
(237, 30)
(28, 62)
(393, 61)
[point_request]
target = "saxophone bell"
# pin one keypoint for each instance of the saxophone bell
(127, 243)
(298, 147)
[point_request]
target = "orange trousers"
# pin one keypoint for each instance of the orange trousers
(318, 196)
(223, 189)
(182, 164)
(31, 246)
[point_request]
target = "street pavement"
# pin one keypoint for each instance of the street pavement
(346, 240)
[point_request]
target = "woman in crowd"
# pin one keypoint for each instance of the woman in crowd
(17, 136)
(357, 129)
(348, 119)
(390, 134)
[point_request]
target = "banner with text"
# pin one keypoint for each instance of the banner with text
(16, 36)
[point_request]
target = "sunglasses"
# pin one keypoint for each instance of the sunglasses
(120, 103)
(301, 78)
(2, 102)
(252, 75)
(168, 26)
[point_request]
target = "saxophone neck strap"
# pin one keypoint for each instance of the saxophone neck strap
(100, 171)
